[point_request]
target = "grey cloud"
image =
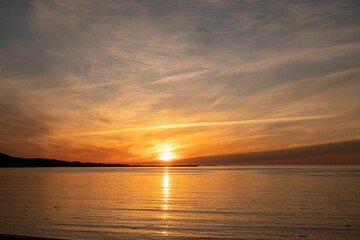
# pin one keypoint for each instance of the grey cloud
(21, 124)
(18, 119)
(346, 152)
(13, 20)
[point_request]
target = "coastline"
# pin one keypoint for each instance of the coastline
(19, 237)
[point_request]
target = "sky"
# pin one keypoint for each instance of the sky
(138, 81)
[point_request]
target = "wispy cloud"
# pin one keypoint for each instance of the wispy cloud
(122, 75)
(203, 124)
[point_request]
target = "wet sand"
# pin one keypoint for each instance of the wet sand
(18, 237)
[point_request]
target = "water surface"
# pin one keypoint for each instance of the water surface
(317, 202)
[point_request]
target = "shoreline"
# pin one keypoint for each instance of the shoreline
(19, 237)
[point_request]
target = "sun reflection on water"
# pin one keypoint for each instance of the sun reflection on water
(165, 199)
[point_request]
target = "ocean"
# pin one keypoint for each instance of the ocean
(262, 202)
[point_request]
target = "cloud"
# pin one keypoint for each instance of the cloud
(331, 153)
(169, 69)
(202, 124)
(21, 125)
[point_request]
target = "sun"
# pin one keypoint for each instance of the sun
(165, 151)
(166, 156)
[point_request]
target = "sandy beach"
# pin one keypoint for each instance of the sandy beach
(5, 236)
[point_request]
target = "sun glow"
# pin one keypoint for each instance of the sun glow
(165, 152)
(166, 156)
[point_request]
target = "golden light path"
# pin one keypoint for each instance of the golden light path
(165, 199)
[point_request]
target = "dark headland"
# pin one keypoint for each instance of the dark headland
(7, 161)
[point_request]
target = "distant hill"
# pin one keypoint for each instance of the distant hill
(337, 153)
(15, 162)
